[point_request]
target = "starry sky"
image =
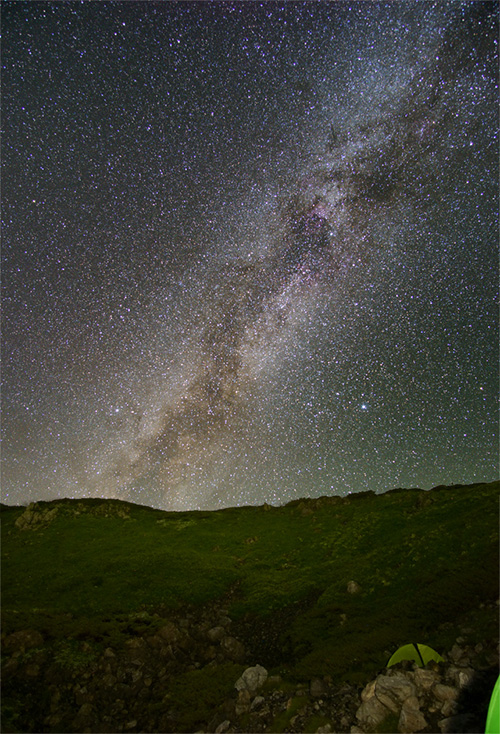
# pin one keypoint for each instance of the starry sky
(249, 249)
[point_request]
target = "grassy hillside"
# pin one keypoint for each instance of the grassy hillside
(424, 561)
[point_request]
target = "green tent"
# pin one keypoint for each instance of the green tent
(419, 654)
(493, 718)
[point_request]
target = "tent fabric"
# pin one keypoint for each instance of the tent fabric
(493, 717)
(415, 651)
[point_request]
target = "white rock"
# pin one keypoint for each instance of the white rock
(251, 679)
(353, 587)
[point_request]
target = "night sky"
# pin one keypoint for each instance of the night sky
(249, 249)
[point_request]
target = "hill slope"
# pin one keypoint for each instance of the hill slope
(102, 571)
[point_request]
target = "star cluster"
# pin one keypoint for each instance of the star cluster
(249, 249)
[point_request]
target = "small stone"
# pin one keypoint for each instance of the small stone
(444, 693)
(257, 703)
(353, 587)
(243, 702)
(452, 724)
(465, 677)
(169, 633)
(233, 649)
(223, 727)
(318, 688)
(455, 653)
(326, 729)
(216, 634)
(449, 708)
(85, 711)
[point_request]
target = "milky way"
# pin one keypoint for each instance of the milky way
(250, 249)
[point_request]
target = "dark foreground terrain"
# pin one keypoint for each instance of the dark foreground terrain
(120, 618)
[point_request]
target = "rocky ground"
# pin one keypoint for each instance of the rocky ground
(75, 687)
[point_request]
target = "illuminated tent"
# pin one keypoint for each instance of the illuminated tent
(419, 654)
(493, 718)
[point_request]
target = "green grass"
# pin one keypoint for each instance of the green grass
(193, 698)
(421, 559)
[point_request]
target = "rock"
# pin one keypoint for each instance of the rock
(257, 703)
(372, 712)
(233, 649)
(353, 587)
(465, 677)
(444, 693)
(393, 690)
(456, 653)
(34, 517)
(84, 716)
(216, 634)
(424, 679)
(243, 702)
(453, 724)
(326, 729)
(368, 691)
(318, 688)
(169, 633)
(223, 727)
(251, 679)
(23, 640)
(411, 718)
(449, 708)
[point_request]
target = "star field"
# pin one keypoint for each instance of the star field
(249, 249)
